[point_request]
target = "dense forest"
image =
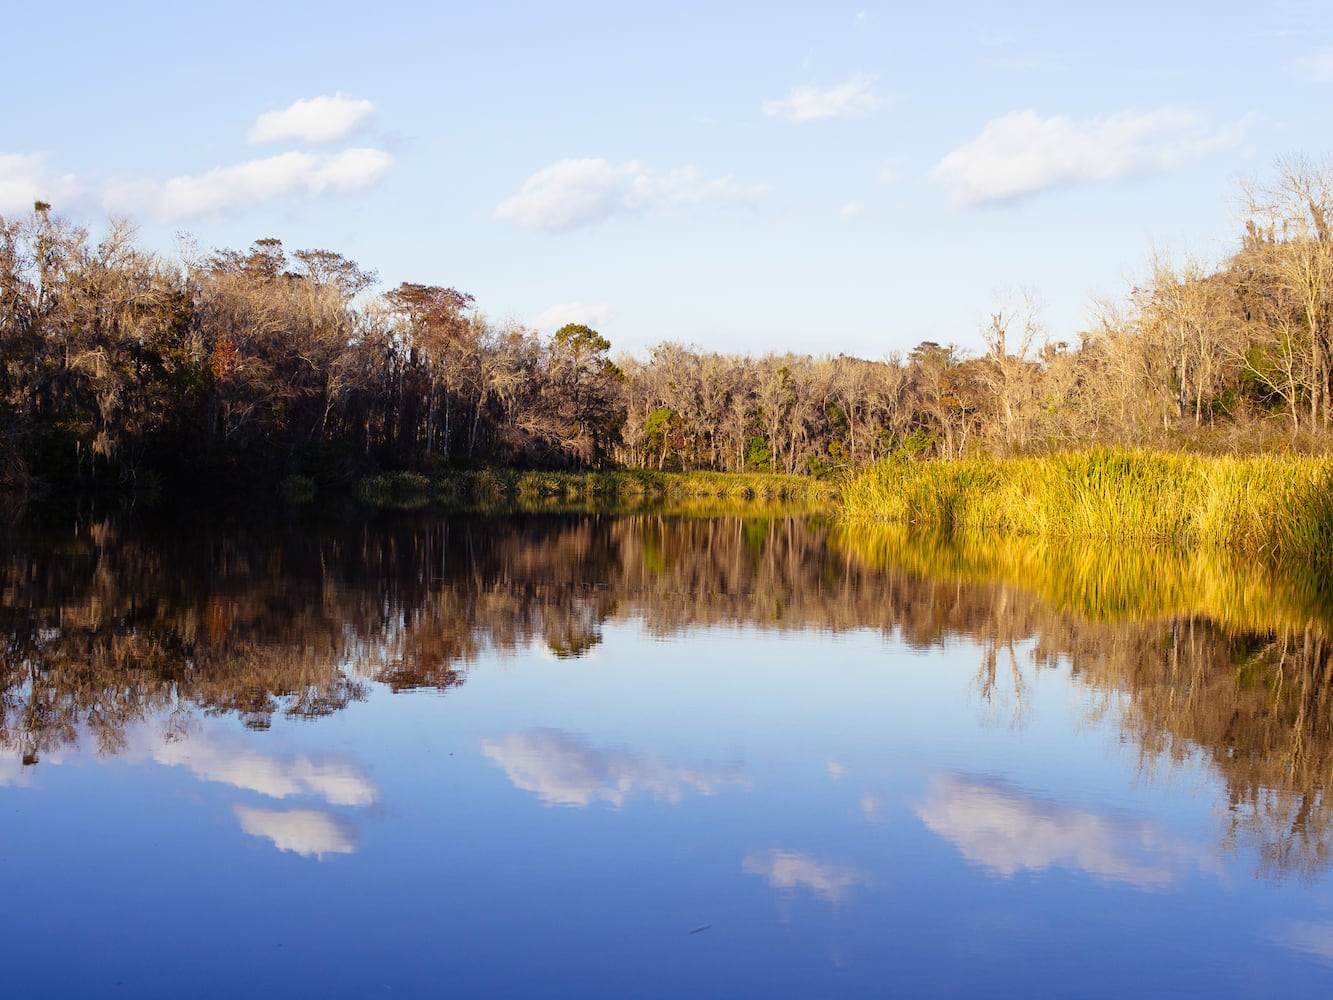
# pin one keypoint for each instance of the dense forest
(121, 367)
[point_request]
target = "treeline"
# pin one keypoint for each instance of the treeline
(116, 362)
(1234, 357)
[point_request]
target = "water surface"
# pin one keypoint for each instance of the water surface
(654, 756)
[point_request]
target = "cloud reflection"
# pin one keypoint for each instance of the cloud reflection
(1315, 940)
(337, 782)
(1005, 831)
(790, 870)
(307, 832)
(12, 772)
(562, 769)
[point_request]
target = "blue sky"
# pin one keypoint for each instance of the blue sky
(824, 178)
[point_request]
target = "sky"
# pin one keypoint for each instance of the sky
(824, 178)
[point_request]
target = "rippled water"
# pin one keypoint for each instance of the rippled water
(652, 756)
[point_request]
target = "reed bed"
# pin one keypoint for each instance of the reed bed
(1273, 506)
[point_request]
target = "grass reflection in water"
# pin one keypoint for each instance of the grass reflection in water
(104, 626)
(1196, 651)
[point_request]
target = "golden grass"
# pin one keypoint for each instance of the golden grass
(1276, 507)
(1104, 580)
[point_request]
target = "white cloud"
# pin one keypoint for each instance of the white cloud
(862, 17)
(561, 769)
(594, 314)
(319, 119)
(574, 193)
(811, 104)
(308, 832)
(1316, 68)
(1022, 153)
(233, 763)
(852, 209)
(225, 190)
(25, 179)
(790, 870)
(351, 170)
(888, 173)
(1005, 831)
(568, 194)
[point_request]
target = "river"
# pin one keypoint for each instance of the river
(589, 755)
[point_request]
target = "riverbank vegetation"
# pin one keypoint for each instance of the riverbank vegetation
(235, 370)
(623, 491)
(1275, 507)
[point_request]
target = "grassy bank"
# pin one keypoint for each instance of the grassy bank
(509, 489)
(1271, 506)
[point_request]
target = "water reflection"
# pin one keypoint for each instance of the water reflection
(792, 870)
(1315, 940)
(13, 774)
(1006, 831)
(105, 626)
(240, 765)
(311, 833)
(562, 769)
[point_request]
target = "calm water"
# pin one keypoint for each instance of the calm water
(646, 756)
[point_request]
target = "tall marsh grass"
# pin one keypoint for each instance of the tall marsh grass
(1279, 507)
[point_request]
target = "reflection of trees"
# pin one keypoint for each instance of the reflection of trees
(102, 629)
(102, 626)
(1196, 658)
(1256, 706)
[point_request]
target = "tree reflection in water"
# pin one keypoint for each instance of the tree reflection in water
(105, 625)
